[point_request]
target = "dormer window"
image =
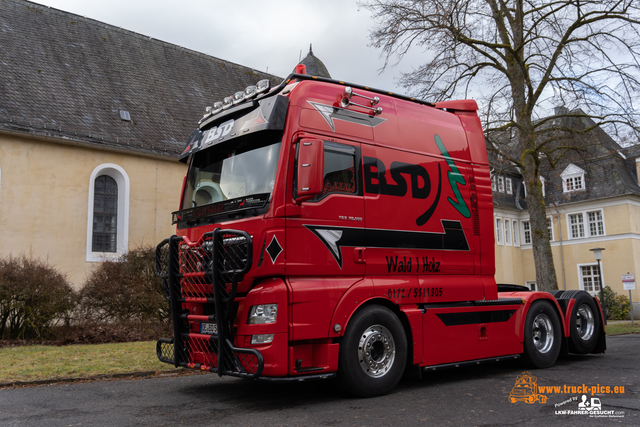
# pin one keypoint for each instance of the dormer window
(572, 179)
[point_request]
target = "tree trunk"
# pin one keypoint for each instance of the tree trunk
(546, 279)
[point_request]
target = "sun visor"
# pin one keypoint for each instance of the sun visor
(266, 114)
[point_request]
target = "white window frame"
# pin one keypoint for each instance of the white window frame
(122, 180)
(579, 223)
(499, 231)
(531, 284)
(494, 186)
(524, 233)
(501, 184)
(509, 185)
(507, 232)
(581, 278)
(516, 232)
(550, 228)
(586, 225)
(569, 177)
(598, 211)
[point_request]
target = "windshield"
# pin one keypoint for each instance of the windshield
(238, 168)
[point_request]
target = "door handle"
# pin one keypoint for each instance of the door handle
(359, 255)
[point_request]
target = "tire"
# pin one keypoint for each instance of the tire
(556, 294)
(543, 399)
(584, 322)
(379, 370)
(542, 335)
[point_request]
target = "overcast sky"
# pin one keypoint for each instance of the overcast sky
(267, 35)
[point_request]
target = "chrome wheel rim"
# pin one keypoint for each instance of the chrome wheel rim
(376, 351)
(585, 322)
(542, 333)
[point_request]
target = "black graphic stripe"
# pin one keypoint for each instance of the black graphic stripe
(475, 317)
(334, 238)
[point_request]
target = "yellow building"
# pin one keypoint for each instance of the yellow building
(92, 121)
(592, 203)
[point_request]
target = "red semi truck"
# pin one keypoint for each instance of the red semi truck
(334, 230)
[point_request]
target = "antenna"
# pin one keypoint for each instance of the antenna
(300, 56)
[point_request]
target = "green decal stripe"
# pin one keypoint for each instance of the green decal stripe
(455, 179)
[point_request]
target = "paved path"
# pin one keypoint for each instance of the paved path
(465, 396)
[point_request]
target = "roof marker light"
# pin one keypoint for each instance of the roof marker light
(217, 107)
(263, 85)
(250, 92)
(227, 103)
(238, 97)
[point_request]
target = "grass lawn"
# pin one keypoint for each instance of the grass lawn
(39, 362)
(622, 328)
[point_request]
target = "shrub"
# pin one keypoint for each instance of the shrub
(125, 290)
(615, 306)
(33, 297)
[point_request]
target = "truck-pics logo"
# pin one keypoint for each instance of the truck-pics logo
(526, 390)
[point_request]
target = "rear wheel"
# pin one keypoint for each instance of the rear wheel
(373, 353)
(556, 293)
(584, 322)
(542, 335)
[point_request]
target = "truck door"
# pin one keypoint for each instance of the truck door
(324, 235)
(324, 239)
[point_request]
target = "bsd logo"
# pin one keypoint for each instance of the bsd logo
(420, 182)
(375, 182)
(217, 132)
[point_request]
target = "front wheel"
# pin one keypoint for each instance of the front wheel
(542, 335)
(373, 352)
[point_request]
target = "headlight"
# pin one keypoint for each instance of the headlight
(263, 313)
(261, 339)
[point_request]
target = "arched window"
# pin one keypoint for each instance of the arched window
(108, 213)
(105, 214)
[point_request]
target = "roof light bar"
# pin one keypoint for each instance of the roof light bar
(251, 91)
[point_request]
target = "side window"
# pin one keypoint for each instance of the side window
(339, 169)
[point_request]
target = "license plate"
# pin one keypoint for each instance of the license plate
(209, 328)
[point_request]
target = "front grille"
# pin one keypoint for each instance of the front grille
(206, 272)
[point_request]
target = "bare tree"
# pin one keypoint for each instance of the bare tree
(519, 59)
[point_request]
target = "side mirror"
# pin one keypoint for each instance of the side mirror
(310, 169)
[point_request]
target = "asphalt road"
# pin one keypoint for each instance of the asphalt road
(464, 396)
